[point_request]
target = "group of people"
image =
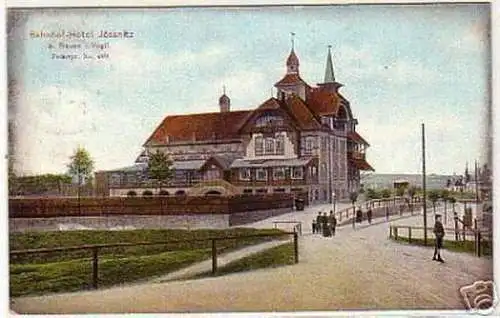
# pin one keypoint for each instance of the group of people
(324, 224)
(359, 215)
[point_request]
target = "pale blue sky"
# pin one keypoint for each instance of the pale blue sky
(401, 66)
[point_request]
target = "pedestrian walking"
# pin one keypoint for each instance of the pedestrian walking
(314, 226)
(333, 223)
(326, 229)
(359, 215)
(369, 215)
(319, 221)
(439, 233)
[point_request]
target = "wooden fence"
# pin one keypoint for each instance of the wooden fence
(95, 249)
(465, 234)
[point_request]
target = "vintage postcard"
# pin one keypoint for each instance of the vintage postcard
(238, 158)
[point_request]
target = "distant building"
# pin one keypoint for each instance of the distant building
(303, 139)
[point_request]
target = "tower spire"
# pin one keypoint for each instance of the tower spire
(292, 63)
(329, 75)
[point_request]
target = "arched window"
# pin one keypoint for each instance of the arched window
(163, 193)
(147, 193)
(131, 194)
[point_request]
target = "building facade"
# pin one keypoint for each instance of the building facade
(303, 139)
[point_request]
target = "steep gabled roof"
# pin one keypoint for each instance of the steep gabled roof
(323, 102)
(199, 127)
(304, 116)
(291, 79)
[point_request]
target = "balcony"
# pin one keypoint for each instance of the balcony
(356, 155)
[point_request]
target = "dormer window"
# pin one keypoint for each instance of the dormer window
(269, 147)
(280, 145)
(269, 120)
(259, 146)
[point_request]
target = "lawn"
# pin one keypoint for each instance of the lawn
(274, 257)
(72, 271)
(452, 245)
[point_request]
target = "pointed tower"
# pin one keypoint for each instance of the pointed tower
(224, 101)
(292, 62)
(291, 83)
(329, 83)
(329, 75)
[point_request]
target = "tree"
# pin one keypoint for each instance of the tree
(445, 196)
(81, 166)
(386, 193)
(400, 191)
(372, 194)
(412, 191)
(433, 197)
(160, 168)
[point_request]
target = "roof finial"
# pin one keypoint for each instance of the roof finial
(224, 89)
(292, 34)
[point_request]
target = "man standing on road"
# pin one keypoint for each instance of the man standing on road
(369, 215)
(333, 223)
(439, 233)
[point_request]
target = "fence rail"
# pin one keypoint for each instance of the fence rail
(95, 249)
(297, 228)
(469, 234)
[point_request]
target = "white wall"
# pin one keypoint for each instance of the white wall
(289, 148)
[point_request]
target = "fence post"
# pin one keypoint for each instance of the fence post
(409, 234)
(478, 244)
(214, 256)
(396, 233)
(95, 267)
(390, 231)
(296, 247)
(456, 228)
(300, 228)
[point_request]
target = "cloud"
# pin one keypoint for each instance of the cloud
(52, 122)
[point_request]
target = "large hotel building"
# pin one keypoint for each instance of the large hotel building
(303, 139)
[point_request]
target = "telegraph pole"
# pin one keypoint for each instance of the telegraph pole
(476, 183)
(424, 184)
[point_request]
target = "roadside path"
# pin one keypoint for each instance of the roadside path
(357, 269)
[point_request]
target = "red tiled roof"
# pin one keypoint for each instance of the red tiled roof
(304, 116)
(361, 164)
(354, 136)
(323, 102)
(291, 79)
(271, 103)
(199, 127)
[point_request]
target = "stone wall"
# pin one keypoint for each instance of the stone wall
(123, 222)
(44, 214)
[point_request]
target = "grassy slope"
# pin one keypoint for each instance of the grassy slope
(273, 257)
(64, 272)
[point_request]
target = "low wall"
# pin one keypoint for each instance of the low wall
(122, 222)
(52, 214)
